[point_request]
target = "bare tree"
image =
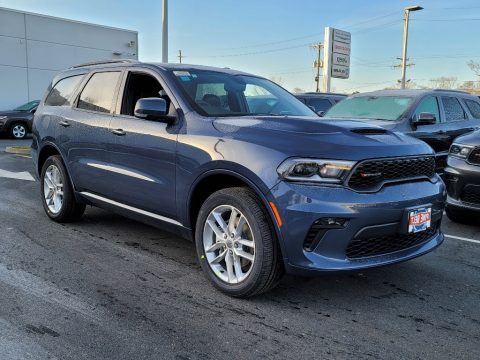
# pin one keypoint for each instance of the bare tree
(474, 66)
(444, 82)
(471, 86)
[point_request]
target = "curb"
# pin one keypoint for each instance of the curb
(19, 150)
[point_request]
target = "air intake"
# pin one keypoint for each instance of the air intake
(369, 131)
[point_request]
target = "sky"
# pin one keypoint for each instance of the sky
(272, 38)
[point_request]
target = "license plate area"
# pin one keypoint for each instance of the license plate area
(419, 219)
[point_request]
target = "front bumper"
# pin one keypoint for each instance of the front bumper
(367, 215)
(463, 182)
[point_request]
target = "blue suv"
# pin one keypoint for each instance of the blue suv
(238, 165)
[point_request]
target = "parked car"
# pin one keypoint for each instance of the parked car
(320, 102)
(462, 177)
(434, 116)
(18, 122)
(258, 192)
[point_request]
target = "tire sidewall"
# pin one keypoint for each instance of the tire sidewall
(215, 200)
(67, 193)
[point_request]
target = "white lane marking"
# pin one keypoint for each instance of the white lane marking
(24, 175)
(463, 239)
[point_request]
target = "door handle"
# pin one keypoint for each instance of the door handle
(64, 123)
(119, 132)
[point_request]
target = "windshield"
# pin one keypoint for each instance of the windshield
(28, 106)
(371, 107)
(219, 94)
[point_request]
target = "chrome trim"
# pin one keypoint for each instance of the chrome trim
(119, 170)
(131, 208)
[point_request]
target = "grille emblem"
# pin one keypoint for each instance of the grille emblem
(368, 175)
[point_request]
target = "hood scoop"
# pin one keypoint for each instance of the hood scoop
(369, 131)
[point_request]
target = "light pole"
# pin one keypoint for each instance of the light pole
(406, 15)
(165, 31)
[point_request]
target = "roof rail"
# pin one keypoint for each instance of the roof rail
(104, 62)
(451, 90)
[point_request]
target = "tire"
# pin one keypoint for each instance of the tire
(460, 215)
(61, 206)
(18, 131)
(249, 277)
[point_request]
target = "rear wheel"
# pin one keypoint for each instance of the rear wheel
(18, 131)
(58, 198)
(236, 245)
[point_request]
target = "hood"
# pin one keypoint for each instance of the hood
(472, 139)
(314, 137)
(386, 124)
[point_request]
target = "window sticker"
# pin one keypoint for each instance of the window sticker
(181, 73)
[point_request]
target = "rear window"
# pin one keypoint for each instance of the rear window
(474, 107)
(63, 90)
(99, 92)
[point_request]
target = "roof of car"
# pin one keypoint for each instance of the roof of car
(163, 66)
(319, 94)
(411, 92)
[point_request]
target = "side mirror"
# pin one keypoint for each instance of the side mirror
(152, 109)
(425, 118)
(33, 110)
(321, 113)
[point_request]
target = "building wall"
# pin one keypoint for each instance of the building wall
(33, 48)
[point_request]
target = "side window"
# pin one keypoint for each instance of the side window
(453, 109)
(429, 105)
(140, 85)
(98, 94)
(62, 91)
(474, 107)
(320, 104)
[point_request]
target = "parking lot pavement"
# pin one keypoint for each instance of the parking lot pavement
(4, 143)
(111, 288)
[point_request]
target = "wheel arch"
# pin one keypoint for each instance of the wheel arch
(215, 180)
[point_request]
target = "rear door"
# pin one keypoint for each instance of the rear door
(142, 172)
(86, 126)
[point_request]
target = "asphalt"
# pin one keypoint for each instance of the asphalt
(112, 288)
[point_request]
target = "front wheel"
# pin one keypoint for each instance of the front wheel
(236, 244)
(57, 192)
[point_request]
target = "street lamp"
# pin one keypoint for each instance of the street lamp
(406, 15)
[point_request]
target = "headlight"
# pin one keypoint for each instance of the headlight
(3, 117)
(461, 151)
(315, 170)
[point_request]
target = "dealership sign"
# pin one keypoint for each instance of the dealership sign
(336, 56)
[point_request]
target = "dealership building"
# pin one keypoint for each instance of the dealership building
(33, 48)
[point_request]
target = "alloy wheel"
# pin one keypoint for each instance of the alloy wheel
(19, 131)
(229, 244)
(53, 189)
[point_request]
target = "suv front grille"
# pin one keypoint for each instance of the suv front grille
(471, 194)
(359, 248)
(370, 175)
(474, 157)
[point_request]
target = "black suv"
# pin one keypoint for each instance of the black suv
(18, 122)
(320, 102)
(462, 177)
(238, 164)
(434, 116)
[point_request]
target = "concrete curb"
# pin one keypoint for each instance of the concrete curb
(19, 150)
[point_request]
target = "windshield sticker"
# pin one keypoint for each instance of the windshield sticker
(181, 73)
